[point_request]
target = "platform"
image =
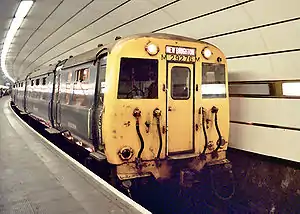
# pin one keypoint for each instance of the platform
(37, 178)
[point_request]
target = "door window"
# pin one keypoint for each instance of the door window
(180, 83)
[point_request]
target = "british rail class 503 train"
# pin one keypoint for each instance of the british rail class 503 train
(149, 104)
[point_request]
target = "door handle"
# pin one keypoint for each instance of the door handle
(170, 108)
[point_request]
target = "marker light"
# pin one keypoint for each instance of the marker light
(21, 13)
(152, 49)
(206, 53)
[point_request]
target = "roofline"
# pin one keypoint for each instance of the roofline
(110, 46)
(94, 53)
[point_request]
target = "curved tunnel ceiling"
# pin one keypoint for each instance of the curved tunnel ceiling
(259, 37)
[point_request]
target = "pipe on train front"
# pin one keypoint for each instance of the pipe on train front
(150, 123)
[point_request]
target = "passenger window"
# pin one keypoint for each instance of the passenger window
(69, 78)
(180, 83)
(138, 79)
(37, 81)
(44, 81)
(82, 75)
(32, 82)
(213, 80)
(68, 88)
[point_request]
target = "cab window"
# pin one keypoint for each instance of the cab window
(213, 80)
(138, 79)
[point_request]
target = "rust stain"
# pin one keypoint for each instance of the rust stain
(127, 124)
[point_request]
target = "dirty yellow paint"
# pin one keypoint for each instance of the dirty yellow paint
(119, 125)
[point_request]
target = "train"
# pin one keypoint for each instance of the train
(150, 105)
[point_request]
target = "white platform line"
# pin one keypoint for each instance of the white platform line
(87, 171)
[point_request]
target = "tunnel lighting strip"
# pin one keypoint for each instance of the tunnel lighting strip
(291, 88)
(21, 13)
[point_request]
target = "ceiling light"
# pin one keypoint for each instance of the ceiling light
(23, 9)
(21, 13)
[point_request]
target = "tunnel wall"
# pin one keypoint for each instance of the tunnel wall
(259, 37)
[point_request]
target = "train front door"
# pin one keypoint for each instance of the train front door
(180, 108)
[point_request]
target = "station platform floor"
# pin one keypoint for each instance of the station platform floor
(37, 178)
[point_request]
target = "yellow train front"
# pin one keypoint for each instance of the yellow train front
(166, 106)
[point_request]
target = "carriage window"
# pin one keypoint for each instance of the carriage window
(180, 80)
(82, 75)
(213, 80)
(37, 81)
(138, 79)
(44, 81)
(69, 79)
(32, 82)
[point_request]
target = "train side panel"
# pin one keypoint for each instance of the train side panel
(38, 97)
(13, 93)
(76, 95)
(20, 95)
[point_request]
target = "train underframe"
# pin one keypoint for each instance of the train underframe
(186, 170)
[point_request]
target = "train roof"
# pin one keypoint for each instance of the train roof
(22, 77)
(42, 71)
(83, 58)
(92, 54)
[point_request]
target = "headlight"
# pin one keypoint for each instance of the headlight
(206, 53)
(152, 49)
(125, 153)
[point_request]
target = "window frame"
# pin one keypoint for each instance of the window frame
(156, 80)
(214, 83)
(189, 86)
(77, 72)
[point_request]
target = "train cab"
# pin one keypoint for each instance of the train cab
(166, 102)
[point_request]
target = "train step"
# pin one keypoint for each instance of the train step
(182, 156)
(98, 156)
(52, 131)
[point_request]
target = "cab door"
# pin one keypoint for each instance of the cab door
(180, 108)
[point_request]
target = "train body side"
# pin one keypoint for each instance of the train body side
(75, 97)
(38, 96)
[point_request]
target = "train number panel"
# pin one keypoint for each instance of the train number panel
(180, 54)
